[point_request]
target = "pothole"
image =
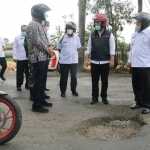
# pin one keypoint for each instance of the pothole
(109, 129)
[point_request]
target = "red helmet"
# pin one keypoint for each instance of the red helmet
(101, 17)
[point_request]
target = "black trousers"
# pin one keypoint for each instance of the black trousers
(3, 63)
(22, 67)
(141, 85)
(39, 82)
(64, 71)
(98, 70)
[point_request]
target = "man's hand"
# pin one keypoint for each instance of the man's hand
(111, 63)
(50, 51)
(128, 66)
(86, 62)
(15, 60)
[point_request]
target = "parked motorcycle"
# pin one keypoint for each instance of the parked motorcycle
(53, 63)
(10, 118)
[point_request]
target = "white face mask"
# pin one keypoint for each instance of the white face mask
(137, 28)
(69, 31)
(46, 29)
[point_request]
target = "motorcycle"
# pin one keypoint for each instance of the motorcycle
(10, 118)
(53, 63)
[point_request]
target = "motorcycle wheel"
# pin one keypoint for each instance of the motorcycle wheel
(10, 118)
(58, 67)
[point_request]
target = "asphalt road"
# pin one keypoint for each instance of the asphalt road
(62, 128)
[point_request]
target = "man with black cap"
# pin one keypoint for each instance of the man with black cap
(38, 51)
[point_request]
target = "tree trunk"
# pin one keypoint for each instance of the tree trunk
(140, 3)
(82, 14)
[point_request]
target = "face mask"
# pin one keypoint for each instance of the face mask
(45, 16)
(69, 31)
(97, 28)
(137, 28)
(43, 23)
(46, 29)
(23, 33)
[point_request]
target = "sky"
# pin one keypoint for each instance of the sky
(14, 13)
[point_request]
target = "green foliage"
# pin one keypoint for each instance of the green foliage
(9, 59)
(56, 36)
(118, 13)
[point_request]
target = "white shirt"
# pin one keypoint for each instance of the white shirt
(69, 46)
(18, 48)
(48, 37)
(139, 55)
(2, 43)
(111, 45)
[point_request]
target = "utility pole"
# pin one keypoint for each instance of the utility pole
(140, 4)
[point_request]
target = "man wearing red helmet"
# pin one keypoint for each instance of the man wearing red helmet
(101, 47)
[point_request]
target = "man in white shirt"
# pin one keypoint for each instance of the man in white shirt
(68, 45)
(101, 47)
(19, 56)
(139, 61)
(3, 62)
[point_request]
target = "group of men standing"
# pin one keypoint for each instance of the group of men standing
(34, 59)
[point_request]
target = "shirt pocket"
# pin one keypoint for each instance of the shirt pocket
(65, 44)
(21, 42)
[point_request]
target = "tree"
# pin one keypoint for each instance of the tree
(6, 40)
(118, 13)
(140, 4)
(82, 14)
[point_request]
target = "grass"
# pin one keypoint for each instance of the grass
(9, 59)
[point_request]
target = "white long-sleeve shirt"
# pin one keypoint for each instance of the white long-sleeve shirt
(18, 48)
(2, 44)
(139, 55)
(111, 45)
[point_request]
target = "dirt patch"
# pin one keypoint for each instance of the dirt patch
(109, 129)
(10, 66)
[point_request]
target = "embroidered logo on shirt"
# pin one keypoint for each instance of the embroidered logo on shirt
(105, 36)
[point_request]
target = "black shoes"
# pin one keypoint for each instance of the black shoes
(75, 93)
(94, 100)
(46, 96)
(2, 78)
(46, 104)
(46, 89)
(105, 100)
(19, 89)
(40, 109)
(31, 98)
(135, 106)
(145, 111)
(63, 94)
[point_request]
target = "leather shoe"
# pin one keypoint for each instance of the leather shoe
(105, 100)
(63, 94)
(40, 109)
(94, 100)
(46, 89)
(46, 96)
(19, 89)
(2, 78)
(75, 93)
(46, 104)
(135, 106)
(145, 111)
